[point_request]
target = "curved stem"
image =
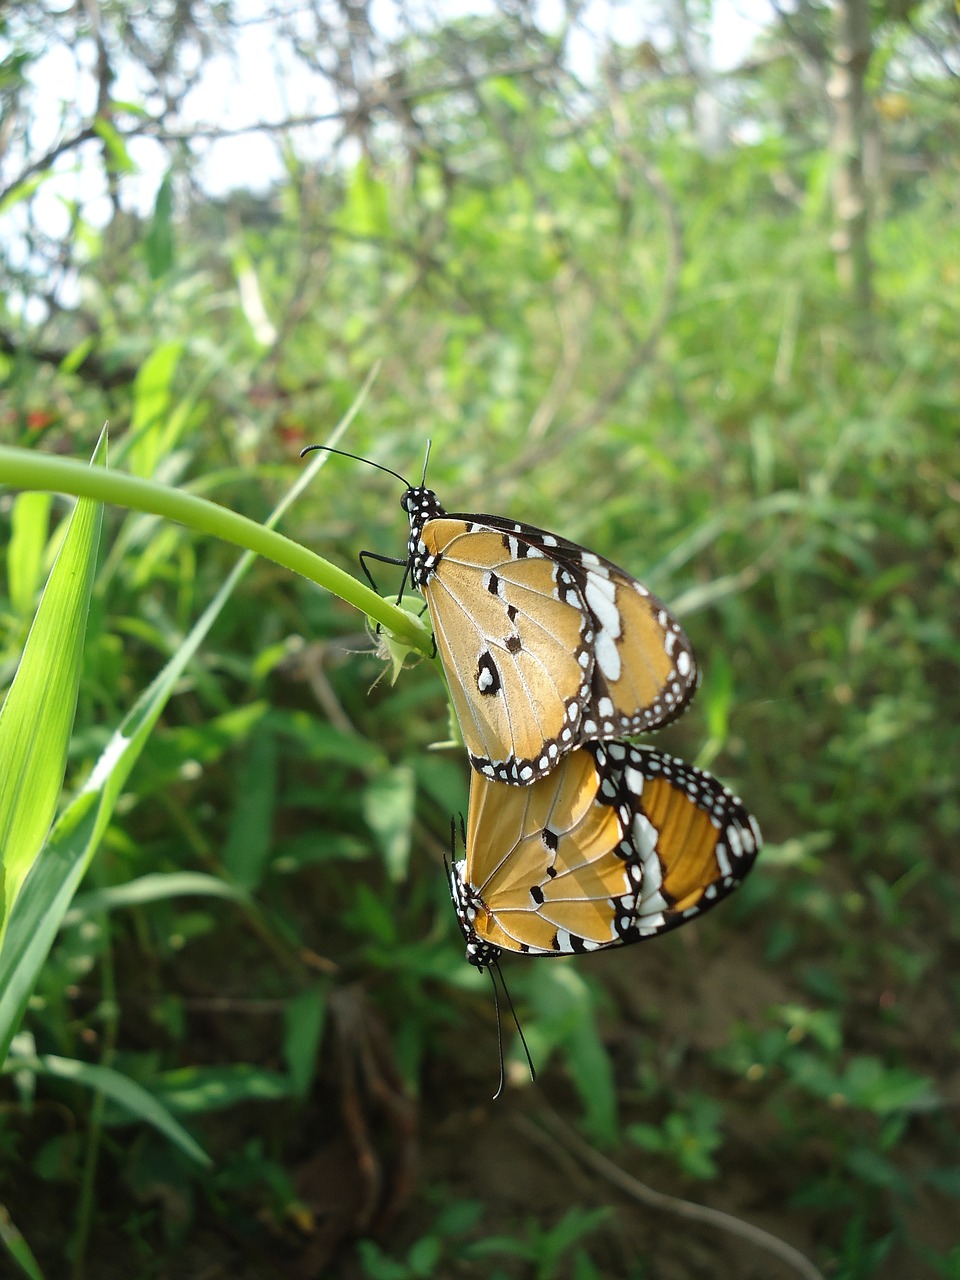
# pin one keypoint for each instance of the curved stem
(25, 469)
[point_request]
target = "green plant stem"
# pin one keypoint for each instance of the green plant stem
(25, 469)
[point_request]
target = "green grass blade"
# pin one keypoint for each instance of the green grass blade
(152, 888)
(199, 1090)
(118, 1088)
(37, 716)
(29, 523)
(17, 1247)
(54, 878)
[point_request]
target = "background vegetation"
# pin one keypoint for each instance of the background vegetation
(705, 323)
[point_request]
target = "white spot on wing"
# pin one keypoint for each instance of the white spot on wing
(608, 656)
(723, 860)
(601, 597)
(634, 780)
(645, 837)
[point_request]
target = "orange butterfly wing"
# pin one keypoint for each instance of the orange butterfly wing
(619, 843)
(545, 644)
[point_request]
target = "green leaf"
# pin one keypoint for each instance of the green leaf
(366, 210)
(718, 699)
(118, 1088)
(152, 888)
(77, 354)
(378, 1265)
(197, 1090)
(388, 810)
(592, 1074)
(424, 1256)
(250, 838)
(37, 716)
(303, 1020)
(506, 89)
(152, 397)
(17, 1247)
(24, 190)
(647, 1136)
(56, 874)
(158, 245)
(870, 1083)
(459, 1217)
(566, 1017)
(29, 529)
(116, 146)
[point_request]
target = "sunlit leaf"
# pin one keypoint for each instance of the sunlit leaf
(29, 529)
(37, 716)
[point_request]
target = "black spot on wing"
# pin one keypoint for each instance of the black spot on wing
(488, 677)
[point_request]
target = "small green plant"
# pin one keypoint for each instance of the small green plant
(689, 1137)
(547, 1250)
(432, 1255)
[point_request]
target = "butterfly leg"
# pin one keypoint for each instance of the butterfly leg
(364, 556)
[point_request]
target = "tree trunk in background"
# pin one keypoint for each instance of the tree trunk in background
(851, 57)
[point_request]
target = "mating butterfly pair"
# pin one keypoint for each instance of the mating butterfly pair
(575, 841)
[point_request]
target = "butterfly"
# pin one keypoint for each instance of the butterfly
(544, 644)
(619, 843)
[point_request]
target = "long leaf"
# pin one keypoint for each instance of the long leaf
(17, 1247)
(37, 717)
(139, 1102)
(153, 888)
(56, 874)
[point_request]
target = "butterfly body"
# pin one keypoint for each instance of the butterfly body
(619, 843)
(545, 644)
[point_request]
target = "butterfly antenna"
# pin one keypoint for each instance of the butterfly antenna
(423, 478)
(496, 1006)
(326, 448)
(516, 1023)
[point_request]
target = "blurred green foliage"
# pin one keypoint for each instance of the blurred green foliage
(610, 333)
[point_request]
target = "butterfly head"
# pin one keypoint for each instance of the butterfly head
(421, 504)
(466, 901)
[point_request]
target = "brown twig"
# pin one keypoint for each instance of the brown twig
(559, 1133)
